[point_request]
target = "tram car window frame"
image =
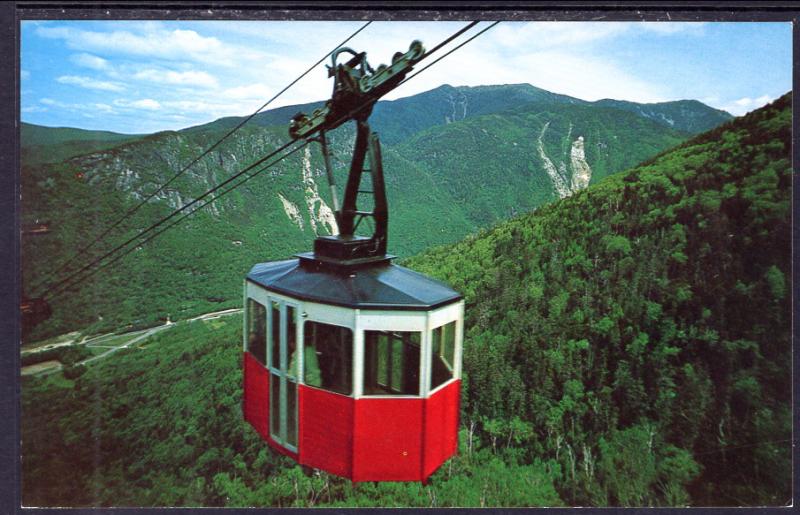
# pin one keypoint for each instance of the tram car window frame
(333, 347)
(392, 361)
(257, 331)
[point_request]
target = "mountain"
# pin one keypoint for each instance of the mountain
(506, 150)
(54, 144)
(510, 162)
(643, 325)
(683, 115)
(629, 345)
(396, 120)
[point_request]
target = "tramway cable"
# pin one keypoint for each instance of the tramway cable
(183, 170)
(174, 213)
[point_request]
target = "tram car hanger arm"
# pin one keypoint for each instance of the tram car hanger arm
(356, 89)
(357, 86)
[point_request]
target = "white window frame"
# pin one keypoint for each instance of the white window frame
(331, 315)
(305, 317)
(439, 318)
(359, 321)
(245, 319)
(266, 298)
(389, 320)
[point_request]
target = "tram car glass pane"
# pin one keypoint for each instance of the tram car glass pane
(275, 323)
(391, 362)
(328, 357)
(442, 352)
(256, 331)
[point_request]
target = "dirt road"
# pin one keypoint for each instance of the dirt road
(98, 341)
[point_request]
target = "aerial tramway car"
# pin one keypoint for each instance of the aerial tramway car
(352, 364)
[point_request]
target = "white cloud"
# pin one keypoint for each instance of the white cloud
(746, 104)
(249, 92)
(90, 106)
(89, 83)
(554, 34)
(145, 103)
(550, 34)
(189, 78)
(104, 108)
(152, 41)
(90, 61)
(746, 101)
(34, 109)
(587, 78)
(24, 74)
(194, 107)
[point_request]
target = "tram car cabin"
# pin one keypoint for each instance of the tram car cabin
(357, 375)
(352, 364)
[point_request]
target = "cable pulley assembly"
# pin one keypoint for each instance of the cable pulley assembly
(357, 86)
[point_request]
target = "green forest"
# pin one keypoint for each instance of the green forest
(641, 328)
(627, 346)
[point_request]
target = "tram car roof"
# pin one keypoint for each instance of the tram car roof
(386, 286)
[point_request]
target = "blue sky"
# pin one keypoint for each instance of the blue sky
(145, 76)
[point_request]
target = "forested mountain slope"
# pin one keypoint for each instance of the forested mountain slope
(629, 345)
(161, 425)
(443, 182)
(641, 329)
(684, 115)
(55, 144)
(510, 162)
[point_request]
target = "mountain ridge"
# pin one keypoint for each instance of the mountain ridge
(437, 106)
(444, 181)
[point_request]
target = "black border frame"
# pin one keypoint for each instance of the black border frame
(12, 13)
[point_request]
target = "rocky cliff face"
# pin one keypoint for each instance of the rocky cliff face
(581, 171)
(320, 216)
(558, 175)
(458, 103)
(292, 212)
(572, 173)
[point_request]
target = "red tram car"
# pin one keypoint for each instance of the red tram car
(352, 364)
(371, 392)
